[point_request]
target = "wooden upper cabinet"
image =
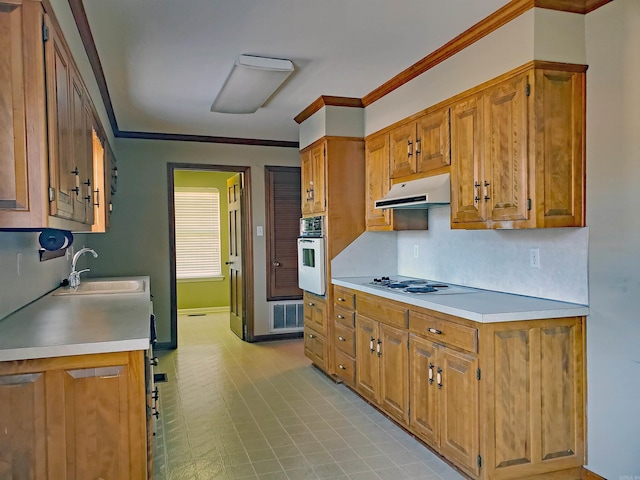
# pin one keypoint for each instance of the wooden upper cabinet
(420, 146)
(467, 169)
(518, 152)
(313, 164)
(377, 175)
(402, 148)
(46, 125)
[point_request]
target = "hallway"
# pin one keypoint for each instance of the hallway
(233, 410)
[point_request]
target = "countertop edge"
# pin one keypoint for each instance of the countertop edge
(559, 309)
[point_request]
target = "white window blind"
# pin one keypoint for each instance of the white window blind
(197, 222)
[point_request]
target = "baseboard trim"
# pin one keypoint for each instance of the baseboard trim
(202, 310)
(589, 475)
(277, 336)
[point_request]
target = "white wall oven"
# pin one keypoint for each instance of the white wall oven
(311, 255)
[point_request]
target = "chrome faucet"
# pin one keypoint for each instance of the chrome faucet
(74, 277)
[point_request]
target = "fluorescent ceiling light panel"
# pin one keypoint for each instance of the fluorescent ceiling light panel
(251, 82)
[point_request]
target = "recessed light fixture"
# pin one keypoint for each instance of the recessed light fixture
(251, 82)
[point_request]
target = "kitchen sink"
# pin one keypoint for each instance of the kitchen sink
(101, 287)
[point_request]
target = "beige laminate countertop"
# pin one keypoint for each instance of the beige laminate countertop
(54, 326)
(483, 306)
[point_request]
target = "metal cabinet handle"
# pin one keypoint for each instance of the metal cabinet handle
(431, 373)
(371, 340)
(276, 264)
(486, 191)
(378, 348)
(341, 317)
(417, 146)
(409, 149)
(311, 304)
(311, 335)
(434, 330)
(439, 377)
(97, 202)
(342, 367)
(341, 338)
(340, 299)
(476, 197)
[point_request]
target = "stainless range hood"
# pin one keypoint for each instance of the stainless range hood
(421, 193)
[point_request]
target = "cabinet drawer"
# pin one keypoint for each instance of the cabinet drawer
(345, 340)
(343, 297)
(382, 310)
(344, 317)
(443, 331)
(345, 367)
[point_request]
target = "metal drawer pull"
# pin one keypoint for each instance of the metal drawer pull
(311, 304)
(342, 367)
(311, 335)
(430, 373)
(435, 330)
(439, 377)
(341, 338)
(378, 349)
(341, 317)
(340, 299)
(371, 340)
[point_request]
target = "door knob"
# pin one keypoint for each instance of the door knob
(276, 264)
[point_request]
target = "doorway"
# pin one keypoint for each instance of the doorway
(185, 291)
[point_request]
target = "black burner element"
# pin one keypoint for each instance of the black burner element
(425, 289)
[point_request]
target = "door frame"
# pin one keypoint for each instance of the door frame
(247, 243)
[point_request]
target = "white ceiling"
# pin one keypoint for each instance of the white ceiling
(165, 60)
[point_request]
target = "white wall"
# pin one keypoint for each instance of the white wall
(138, 240)
(613, 177)
(36, 278)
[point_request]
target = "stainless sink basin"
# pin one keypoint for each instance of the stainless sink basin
(101, 287)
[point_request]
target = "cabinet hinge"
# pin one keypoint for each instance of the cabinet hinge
(528, 89)
(52, 194)
(479, 461)
(528, 204)
(45, 32)
(478, 374)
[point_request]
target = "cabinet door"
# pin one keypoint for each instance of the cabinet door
(505, 187)
(424, 420)
(394, 372)
(78, 146)
(402, 147)
(459, 433)
(433, 141)
(315, 313)
(377, 176)
(318, 187)
(306, 171)
(23, 448)
(315, 348)
(13, 134)
(62, 166)
(367, 364)
(467, 163)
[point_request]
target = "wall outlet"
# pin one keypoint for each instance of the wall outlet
(416, 251)
(534, 258)
(259, 231)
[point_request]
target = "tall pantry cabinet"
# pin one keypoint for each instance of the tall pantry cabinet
(333, 187)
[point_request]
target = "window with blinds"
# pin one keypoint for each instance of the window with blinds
(197, 224)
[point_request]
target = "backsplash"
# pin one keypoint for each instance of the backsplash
(499, 259)
(488, 259)
(36, 278)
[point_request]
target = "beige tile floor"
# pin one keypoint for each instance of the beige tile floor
(233, 410)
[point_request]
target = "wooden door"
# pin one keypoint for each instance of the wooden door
(394, 372)
(425, 418)
(236, 286)
(402, 148)
(14, 186)
(62, 166)
(467, 159)
(377, 178)
(459, 397)
(506, 183)
(306, 168)
(23, 436)
(318, 188)
(433, 141)
(367, 364)
(282, 230)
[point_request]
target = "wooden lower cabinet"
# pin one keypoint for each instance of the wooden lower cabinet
(500, 401)
(382, 366)
(444, 401)
(74, 417)
(315, 348)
